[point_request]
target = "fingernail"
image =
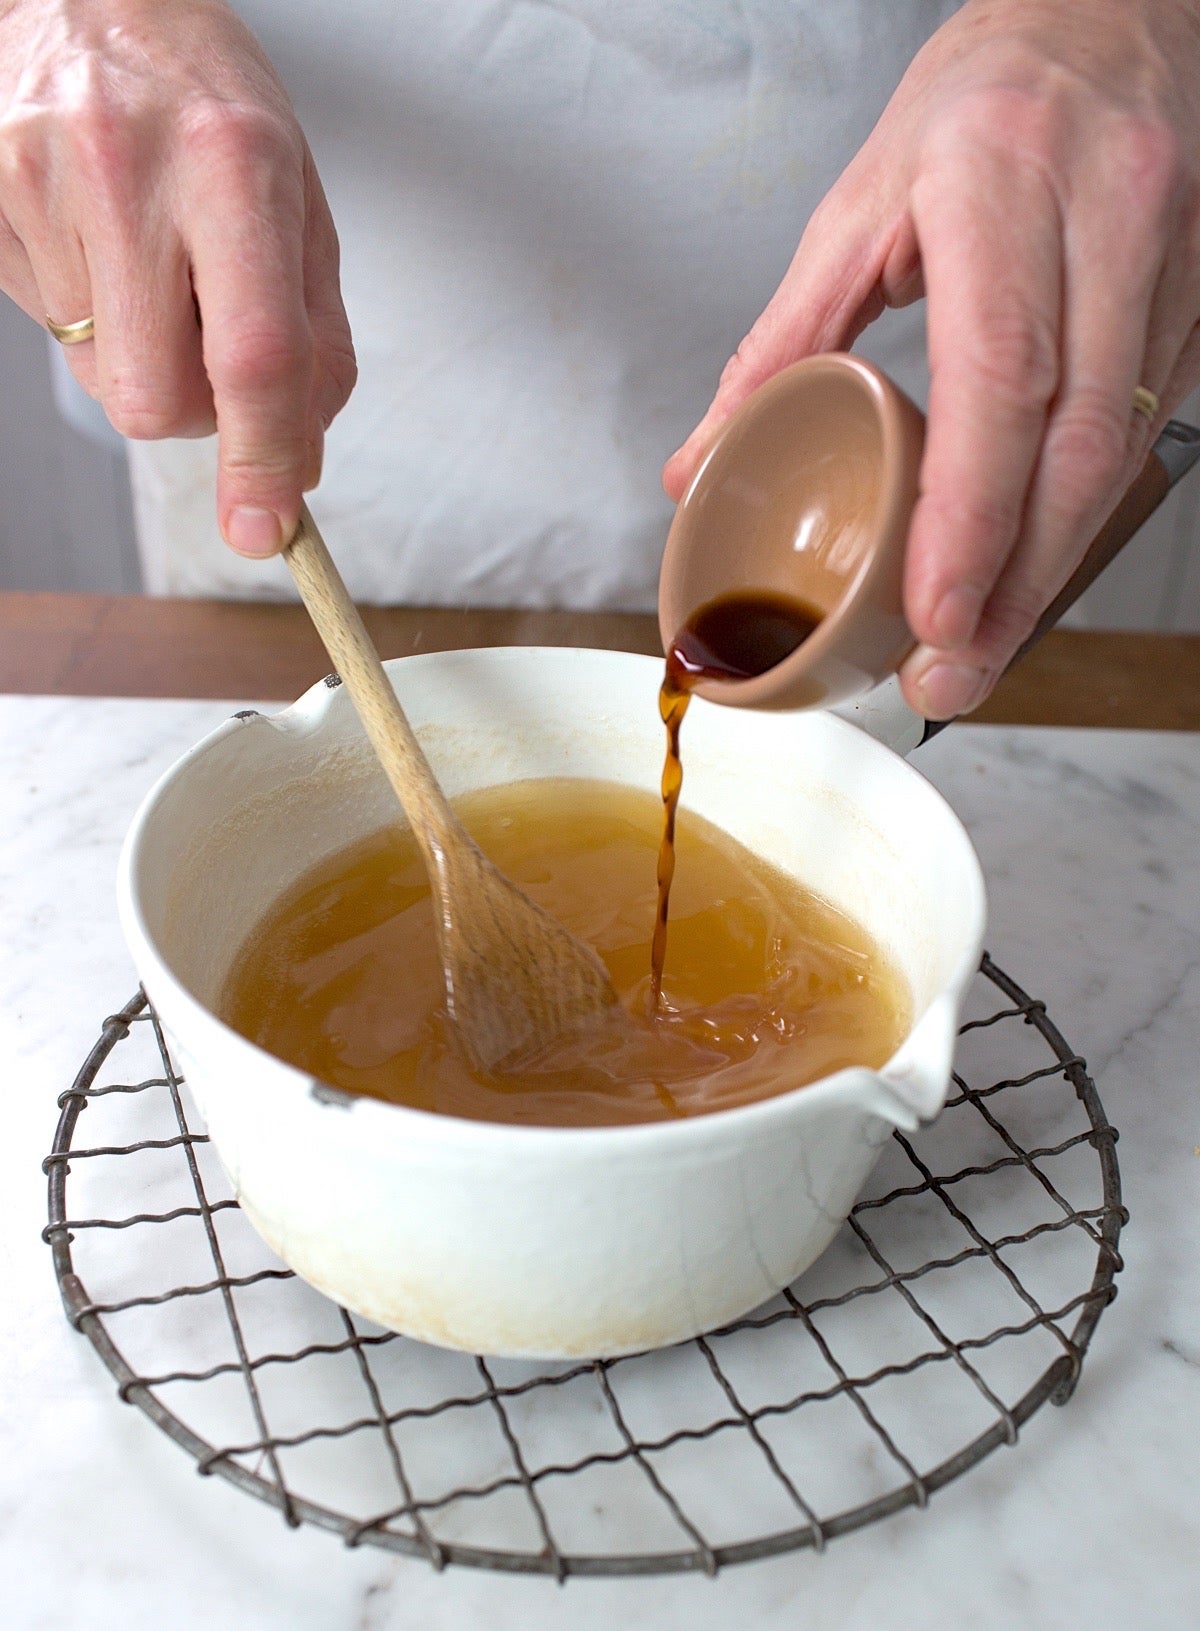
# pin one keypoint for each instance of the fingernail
(254, 532)
(948, 689)
(957, 614)
(312, 467)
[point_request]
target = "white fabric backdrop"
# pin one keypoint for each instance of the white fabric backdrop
(558, 218)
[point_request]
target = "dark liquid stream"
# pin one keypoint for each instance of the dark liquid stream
(734, 637)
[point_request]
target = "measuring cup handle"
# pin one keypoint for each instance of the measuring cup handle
(885, 715)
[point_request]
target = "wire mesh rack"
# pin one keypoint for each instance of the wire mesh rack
(960, 1296)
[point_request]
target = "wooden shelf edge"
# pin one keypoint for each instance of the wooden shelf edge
(134, 646)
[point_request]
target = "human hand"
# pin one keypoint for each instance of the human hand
(1035, 177)
(152, 174)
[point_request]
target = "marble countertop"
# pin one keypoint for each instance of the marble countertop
(1091, 846)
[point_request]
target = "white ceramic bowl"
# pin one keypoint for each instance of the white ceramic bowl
(549, 1242)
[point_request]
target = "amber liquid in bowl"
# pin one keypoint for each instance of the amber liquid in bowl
(759, 988)
(765, 987)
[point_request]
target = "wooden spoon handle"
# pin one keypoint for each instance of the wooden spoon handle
(356, 660)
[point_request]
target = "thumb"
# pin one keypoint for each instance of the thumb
(829, 294)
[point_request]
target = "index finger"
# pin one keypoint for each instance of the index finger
(245, 230)
(991, 250)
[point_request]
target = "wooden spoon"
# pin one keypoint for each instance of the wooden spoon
(516, 980)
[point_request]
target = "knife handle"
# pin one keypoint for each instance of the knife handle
(1150, 487)
(1172, 456)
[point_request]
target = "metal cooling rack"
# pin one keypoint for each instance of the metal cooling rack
(960, 1296)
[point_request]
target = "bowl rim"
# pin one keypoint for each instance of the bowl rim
(677, 1137)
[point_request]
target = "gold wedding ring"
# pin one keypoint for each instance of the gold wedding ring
(1145, 402)
(73, 333)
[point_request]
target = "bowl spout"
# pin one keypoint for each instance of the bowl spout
(912, 1086)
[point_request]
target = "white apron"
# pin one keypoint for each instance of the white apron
(558, 218)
